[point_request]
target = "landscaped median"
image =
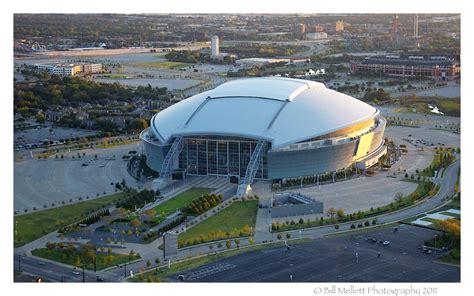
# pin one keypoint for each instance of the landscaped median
(85, 255)
(32, 226)
(237, 220)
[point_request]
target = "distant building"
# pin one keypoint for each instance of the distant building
(317, 36)
(59, 69)
(53, 115)
(314, 29)
(215, 46)
(68, 69)
(92, 68)
(301, 28)
(434, 67)
(339, 26)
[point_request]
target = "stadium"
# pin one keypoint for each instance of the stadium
(267, 128)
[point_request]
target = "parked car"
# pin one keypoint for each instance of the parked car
(386, 243)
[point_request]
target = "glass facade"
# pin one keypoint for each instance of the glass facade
(220, 156)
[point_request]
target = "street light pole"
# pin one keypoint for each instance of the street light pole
(83, 273)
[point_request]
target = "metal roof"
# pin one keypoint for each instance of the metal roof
(280, 110)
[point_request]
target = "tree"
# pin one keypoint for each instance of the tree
(398, 198)
(148, 263)
(109, 258)
(138, 124)
(40, 118)
(288, 235)
(131, 255)
(157, 261)
(77, 261)
(279, 236)
(331, 212)
(228, 244)
(251, 240)
(50, 246)
(340, 213)
(237, 243)
(452, 228)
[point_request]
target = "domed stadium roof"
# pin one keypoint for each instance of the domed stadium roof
(280, 110)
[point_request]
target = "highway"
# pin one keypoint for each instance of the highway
(53, 272)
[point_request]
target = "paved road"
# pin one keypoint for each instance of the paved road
(52, 271)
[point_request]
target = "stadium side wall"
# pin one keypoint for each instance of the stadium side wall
(309, 162)
(155, 153)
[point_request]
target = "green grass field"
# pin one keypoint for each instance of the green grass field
(181, 200)
(449, 106)
(164, 65)
(232, 218)
(65, 258)
(35, 225)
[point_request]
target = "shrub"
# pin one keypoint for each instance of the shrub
(353, 226)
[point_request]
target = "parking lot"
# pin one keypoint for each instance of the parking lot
(336, 259)
(43, 182)
(37, 136)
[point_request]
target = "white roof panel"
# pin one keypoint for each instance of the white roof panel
(281, 110)
(266, 87)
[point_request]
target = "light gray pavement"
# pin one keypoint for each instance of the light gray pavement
(42, 182)
(263, 225)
